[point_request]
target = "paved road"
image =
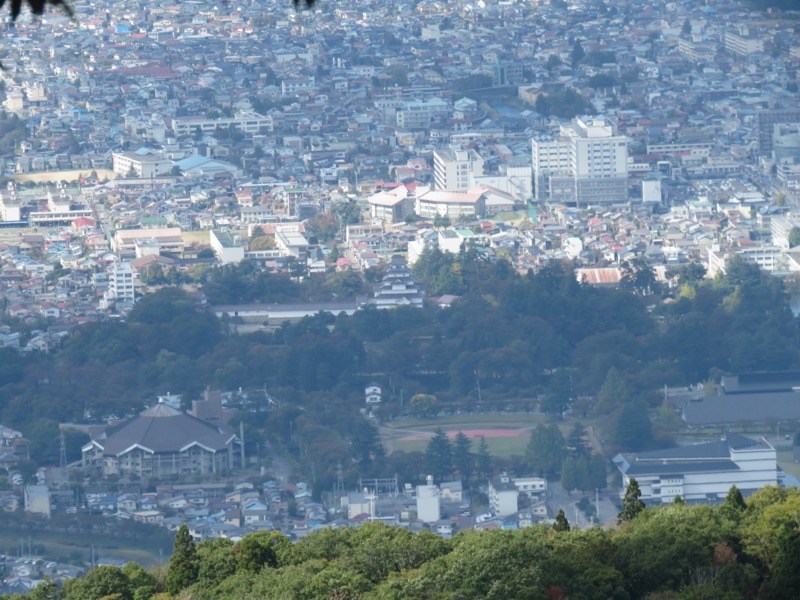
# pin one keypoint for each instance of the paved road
(557, 498)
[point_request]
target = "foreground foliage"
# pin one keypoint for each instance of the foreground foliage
(737, 550)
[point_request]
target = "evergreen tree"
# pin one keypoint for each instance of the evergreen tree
(632, 504)
(785, 579)
(569, 480)
(598, 475)
(483, 459)
(634, 429)
(582, 480)
(578, 53)
(463, 458)
(735, 499)
(439, 456)
(183, 567)
(561, 523)
(575, 441)
(678, 501)
(612, 394)
(546, 450)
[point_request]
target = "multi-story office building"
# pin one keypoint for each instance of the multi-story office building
(454, 168)
(586, 164)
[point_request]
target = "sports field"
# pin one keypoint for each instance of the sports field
(506, 435)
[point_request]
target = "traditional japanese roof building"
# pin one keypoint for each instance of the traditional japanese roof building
(161, 441)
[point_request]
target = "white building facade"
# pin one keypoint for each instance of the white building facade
(586, 164)
(703, 472)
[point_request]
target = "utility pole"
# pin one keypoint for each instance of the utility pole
(62, 461)
(597, 504)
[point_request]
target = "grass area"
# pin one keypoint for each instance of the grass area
(191, 237)
(501, 447)
(471, 421)
(76, 549)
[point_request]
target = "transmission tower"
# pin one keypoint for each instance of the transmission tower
(338, 491)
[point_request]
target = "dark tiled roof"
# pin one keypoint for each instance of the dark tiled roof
(784, 406)
(708, 450)
(680, 468)
(162, 429)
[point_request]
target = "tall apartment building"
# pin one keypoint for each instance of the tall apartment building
(454, 168)
(121, 288)
(586, 164)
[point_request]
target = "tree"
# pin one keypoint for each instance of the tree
(569, 476)
(638, 277)
(463, 459)
(561, 523)
(47, 589)
(100, 582)
(546, 450)
(255, 551)
(632, 504)
(598, 475)
(483, 460)
(423, 405)
(794, 237)
(686, 28)
(183, 568)
(439, 455)
(735, 500)
(614, 393)
(575, 440)
(577, 53)
(634, 430)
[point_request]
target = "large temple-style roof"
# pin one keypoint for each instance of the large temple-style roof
(163, 429)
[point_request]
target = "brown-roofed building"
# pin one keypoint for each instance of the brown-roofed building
(161, 442)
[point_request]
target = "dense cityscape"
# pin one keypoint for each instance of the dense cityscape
(277, 277)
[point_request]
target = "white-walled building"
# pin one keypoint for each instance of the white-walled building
(121, 288)
(503, 496)
(454, 168)
(429, 509)
(702, 472)
(586, 164)
(37, 500)
(453, 205)
(228, 248)
(140, 164)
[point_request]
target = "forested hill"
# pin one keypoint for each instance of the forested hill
(513, 337)
(733, 552)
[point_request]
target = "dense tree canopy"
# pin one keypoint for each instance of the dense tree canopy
(510, 341)
(675, 551)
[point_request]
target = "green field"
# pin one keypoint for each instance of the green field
(471, 421)
(501, 447)
(392, 432)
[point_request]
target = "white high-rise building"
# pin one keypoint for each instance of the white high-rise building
(121, 288)
(455, 168)
(586, 164)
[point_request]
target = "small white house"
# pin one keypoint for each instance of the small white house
(372, 393)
